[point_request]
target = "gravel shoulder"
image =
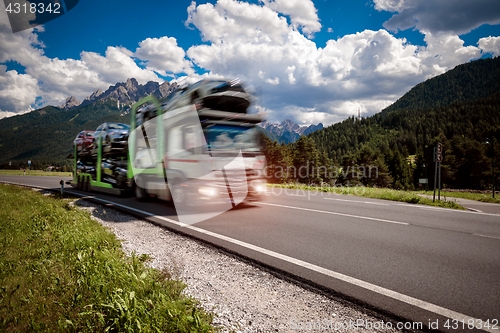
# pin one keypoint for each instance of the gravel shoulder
(244, 297)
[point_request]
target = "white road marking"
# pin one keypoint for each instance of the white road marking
(356, 201)
(375, 203)
(360, 283)
(487, 236)
(357, 282)
(333, 213)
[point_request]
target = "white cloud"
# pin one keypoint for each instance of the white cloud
(53, 80)
(369, 69)
(17, 91)
(443, 52)
(116, 66)
(392, 5)
(451, 17)
(164, 56)
(490, 45)
(231, 20)
(302, 13)
(255, 42)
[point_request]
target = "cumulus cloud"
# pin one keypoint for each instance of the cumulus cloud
(116, 66)
(17, 91)
(490, 45)
(444, 52)
(164, 56)
(231, 20)
(51, 81)
(367, 70)
(302, 13)
(266, 44)
(451, 17)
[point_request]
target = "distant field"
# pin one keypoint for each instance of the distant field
(36, 173)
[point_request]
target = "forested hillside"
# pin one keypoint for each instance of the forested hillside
(45, 136)
(465, 114)
(471, 81)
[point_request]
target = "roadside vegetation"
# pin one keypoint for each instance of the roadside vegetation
(484, 197)
(377, 193)
(62, 271)
(36, 173)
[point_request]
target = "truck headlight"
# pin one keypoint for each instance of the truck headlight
(207, 191)
(258, 186)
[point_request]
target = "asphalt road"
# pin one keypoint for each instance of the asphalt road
(417, 262)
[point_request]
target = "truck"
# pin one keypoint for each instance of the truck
(198, 149)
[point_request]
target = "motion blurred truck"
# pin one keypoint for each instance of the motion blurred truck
(199, 148)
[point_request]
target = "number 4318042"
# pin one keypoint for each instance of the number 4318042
(33, 8)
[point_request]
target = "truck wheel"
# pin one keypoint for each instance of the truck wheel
(178, 193)
(79, 183)
(87, 185)
(178, 196)
(140, 193)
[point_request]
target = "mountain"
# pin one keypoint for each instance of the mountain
(471, 81)
(130, 92)
(89, 99)
(70, 103)
(45, 135)
(445, 104)
(460, 109)
(287, 131)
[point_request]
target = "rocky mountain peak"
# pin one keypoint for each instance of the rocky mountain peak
(70, 103)
(289, 125)
(165, 89)
(288, 131)
(94, 95)
(127, 92)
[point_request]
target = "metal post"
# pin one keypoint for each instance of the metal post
(427, 178)
(99, 159)
(439, 182)
(435, 175)
(493, 167)
(62, 187)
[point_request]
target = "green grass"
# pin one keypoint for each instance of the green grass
(36, 173)
(377, 193)
(61, 271)
(466, 195)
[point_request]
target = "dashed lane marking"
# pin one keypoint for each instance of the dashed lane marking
(333, 213)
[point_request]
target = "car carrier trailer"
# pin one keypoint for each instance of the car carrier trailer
(179, 149)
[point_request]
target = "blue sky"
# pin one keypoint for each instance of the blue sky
(314, 61)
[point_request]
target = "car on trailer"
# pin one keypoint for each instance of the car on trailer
(84, 140)
(115, 134)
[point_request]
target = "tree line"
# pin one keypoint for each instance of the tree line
(395, 149)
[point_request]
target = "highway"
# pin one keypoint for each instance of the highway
(416, 262)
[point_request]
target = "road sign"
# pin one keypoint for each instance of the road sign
(29, 162)
(439, 152)
(423, 180)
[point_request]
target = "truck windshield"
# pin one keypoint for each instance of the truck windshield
(223, 138)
